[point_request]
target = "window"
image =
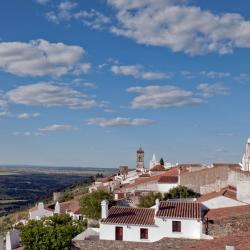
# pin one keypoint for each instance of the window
(176, 226)
(144, 233)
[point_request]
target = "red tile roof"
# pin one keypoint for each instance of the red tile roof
(227, 212)
(70, 206)
(168, 179)
(130, 216)
(170, 172)
(229, 192)
(176, 209)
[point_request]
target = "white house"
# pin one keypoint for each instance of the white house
(39, 211)
(168, 219)
(71, 207)
(226, 197)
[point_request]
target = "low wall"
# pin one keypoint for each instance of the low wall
(163, 244)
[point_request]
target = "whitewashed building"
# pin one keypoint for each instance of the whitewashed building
(226, 197)
(39, 211)
(245, 164)
(153, 162)
(71, 207)
(168, 219)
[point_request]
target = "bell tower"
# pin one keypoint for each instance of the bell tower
(140, 159)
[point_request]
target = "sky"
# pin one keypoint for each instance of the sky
(85, 83)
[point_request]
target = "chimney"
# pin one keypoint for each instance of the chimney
(57, 208)
(157, 205)
(229, 246)
(105, 209)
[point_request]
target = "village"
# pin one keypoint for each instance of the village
(221, 208)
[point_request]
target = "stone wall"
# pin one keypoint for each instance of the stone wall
(164, 244)
(213, 179)
(229, 226)
(205, 180)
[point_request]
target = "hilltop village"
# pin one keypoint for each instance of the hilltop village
(220, 209)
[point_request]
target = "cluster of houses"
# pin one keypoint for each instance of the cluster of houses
(220, 186)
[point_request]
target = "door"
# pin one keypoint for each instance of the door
(119, 233)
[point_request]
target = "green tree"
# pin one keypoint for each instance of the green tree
(51, 233)
(148, 200)
(162, 162)
(91, 203)
(180, 192)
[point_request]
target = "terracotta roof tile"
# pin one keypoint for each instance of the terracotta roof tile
(130, 216)
(227, 212)
(168, 179)
(175, 209)
(229, 192)
(70, 206)
(170, 172)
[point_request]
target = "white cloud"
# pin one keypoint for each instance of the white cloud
(137, 72)
(27, 115)
(208, 90)
(66, 11)
(208, 74)
(118, 121)
(154, 97)
(215, 74)
(40, 58)
(5, 114)
(27, 133)
(58, 127)
(181, 27)
(63, 12)
(243, 77)
(43, 2)
(82, 68)
(47, 94)
(92, 18)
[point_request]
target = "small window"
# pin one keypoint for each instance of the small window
(144, 233)
(176, 226)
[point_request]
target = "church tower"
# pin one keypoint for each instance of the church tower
(140, 159)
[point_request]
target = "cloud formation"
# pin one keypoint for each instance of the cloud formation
(208, 90)
(25, 116)
(154, 97)
(58, 127)
(66, 11)
(137, 71)
(180, 27)
(43, 2)
(41, 58)
(119, 121)
(49, 95)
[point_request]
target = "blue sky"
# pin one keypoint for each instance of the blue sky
(85, 83)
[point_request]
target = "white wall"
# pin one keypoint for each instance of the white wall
(221, 201)
(39, 213)
(243, 191)
(191, 229)
(164, 188)
(12, 239)
(130, 233)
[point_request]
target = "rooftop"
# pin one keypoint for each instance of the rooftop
(175, 209)
(229, 192)
(130, 216)
(168, 179)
